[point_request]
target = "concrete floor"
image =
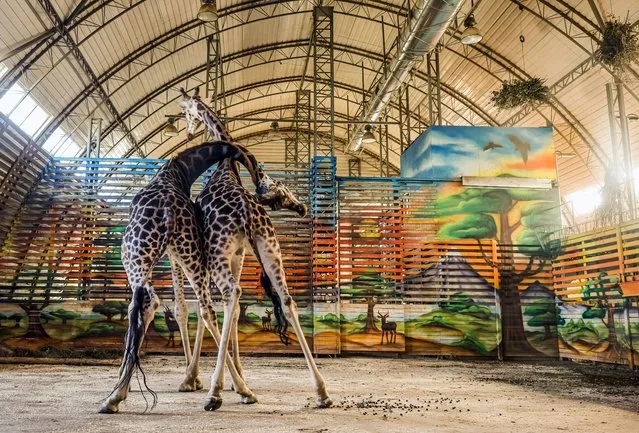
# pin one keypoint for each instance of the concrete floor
(370, 395)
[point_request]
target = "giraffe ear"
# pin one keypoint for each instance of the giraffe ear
(196, 94)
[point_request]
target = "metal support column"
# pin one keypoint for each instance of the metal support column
(323, 81)
(404, 119)
(621, 148)
(355, 167)
(383, 150)
(93, 141)
(214, 73)
(290, 153)
(434, 88)
(303, 128)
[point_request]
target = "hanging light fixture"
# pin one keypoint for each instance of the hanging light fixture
(368, 137)
(170, 130)
(274, 131)
(208, 11)
(471, 33)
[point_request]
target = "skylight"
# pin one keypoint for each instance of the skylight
(585, 201)
(23, 110)
(58, 144)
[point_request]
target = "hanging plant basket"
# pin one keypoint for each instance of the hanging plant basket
(515, 93)
(619, 45)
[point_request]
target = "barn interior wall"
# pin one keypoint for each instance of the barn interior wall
(367, 267)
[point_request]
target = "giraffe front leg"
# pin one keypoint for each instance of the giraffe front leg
(247, 396)
(214, 398)
(193, 369)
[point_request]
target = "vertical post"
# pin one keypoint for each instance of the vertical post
(302, 128)
(494, 258)
(355, 167)
(214, 72)
(324, 263)
(323, 81)
(290, 153)
(434, 88)
(404, 119)
(625, 147)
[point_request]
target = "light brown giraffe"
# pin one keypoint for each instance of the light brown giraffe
(232, 218)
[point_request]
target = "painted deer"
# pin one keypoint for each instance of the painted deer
(266, 321)
(388, 328)
(171, 324)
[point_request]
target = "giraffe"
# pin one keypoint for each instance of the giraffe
(233, 218)
(164, 219)
(196, 112)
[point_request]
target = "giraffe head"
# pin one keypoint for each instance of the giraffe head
(197, 112)
(277, 195)
(192, 111)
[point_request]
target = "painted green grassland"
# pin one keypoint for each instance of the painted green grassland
(458, 322)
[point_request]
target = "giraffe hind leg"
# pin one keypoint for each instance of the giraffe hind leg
(267, 249)
(141, 310)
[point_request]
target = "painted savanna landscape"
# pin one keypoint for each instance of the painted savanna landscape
(103, 324)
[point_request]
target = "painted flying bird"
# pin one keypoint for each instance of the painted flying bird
(522, 146)
(492, 145)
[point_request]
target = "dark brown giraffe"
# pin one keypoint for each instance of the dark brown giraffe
(163, 219)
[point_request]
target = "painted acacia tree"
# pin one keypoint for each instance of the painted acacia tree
(494, 214)
(546, 314)
(607, 294)
(371, 286)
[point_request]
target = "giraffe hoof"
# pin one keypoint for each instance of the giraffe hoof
(212, 403)
(105, 408)
(198, 384)
(323, 403)
(248, 399)
(188, 386)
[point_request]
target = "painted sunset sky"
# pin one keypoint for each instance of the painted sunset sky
(448, 152)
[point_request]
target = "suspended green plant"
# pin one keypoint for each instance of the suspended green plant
(515, 93)
(619, 44)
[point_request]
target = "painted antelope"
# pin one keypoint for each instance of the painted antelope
(171, 324)
(266, 321)
(388, 328)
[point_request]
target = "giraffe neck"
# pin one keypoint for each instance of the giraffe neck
(213, 124)
(191, 163)
(217, 130)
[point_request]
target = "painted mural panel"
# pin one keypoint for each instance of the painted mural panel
(522, 221)
(102, 325)
(372, 326)
(448, 152)
(599, 323)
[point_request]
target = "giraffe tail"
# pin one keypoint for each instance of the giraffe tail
(133, 340)
(282, 323)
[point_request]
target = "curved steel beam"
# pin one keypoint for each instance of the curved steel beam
(566, 32)
(245, 88)
(257, 112)
(261, 133)
(301, 44)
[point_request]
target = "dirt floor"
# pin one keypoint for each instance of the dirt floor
(370, 395)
